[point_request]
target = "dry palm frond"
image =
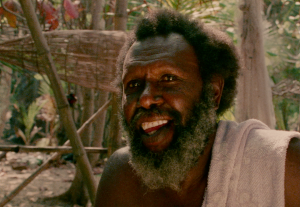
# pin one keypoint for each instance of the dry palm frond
(82, 57)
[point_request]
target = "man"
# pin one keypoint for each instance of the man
(177, 77)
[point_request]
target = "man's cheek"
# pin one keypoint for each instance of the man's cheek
(128, 111)
(181, 109)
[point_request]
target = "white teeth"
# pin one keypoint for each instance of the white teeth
(147, 125)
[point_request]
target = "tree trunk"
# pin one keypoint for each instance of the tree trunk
(77, 192)
(115, 134)
(254, 98)
(61, 100)
(98, 22)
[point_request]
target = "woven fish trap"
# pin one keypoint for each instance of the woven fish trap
(83, 57)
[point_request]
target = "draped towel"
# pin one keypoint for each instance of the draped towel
(248, 165)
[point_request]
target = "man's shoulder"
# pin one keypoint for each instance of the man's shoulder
(292, 175)
(120, 156)
(118, 181)
(293, 152)
(118, 161)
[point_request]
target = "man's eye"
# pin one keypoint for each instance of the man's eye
(168, 78)
(134, 84)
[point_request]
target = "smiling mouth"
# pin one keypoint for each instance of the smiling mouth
(151, 127)
(156, 135)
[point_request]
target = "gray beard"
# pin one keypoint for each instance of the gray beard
(169, 168)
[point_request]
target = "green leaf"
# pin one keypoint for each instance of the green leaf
(222, 5)
(271, 54)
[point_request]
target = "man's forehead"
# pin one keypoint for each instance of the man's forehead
(160, 48)
(172, 42)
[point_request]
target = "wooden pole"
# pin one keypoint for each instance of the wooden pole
(98, 23)
(60, 149)
(95, 116)
(114, 134)
(55, 156)
(43, 50)
(121, 15)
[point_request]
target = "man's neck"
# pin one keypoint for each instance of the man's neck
(199, 173)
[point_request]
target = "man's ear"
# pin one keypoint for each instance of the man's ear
(218, 85)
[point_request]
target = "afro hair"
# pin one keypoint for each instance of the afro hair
(216, 54)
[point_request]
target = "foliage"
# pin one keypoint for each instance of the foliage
(33, 115)
(28, 119)
(71, 10)
(284, 28)
(48, 14)
(283, 56)
(13, 6)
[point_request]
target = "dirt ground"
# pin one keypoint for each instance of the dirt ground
(50, 183)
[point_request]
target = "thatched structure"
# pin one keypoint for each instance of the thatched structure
(82, 57)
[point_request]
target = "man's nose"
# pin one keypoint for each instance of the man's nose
(150, 96)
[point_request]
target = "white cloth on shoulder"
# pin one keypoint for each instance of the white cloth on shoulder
(248, 165)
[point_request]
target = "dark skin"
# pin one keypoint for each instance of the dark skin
(163, 71)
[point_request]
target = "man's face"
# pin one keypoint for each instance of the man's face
(164, 115)
(160, 73)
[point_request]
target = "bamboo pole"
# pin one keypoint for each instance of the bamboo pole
(60, 149)
(64, 109)
(56, 155)
(95, 115)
